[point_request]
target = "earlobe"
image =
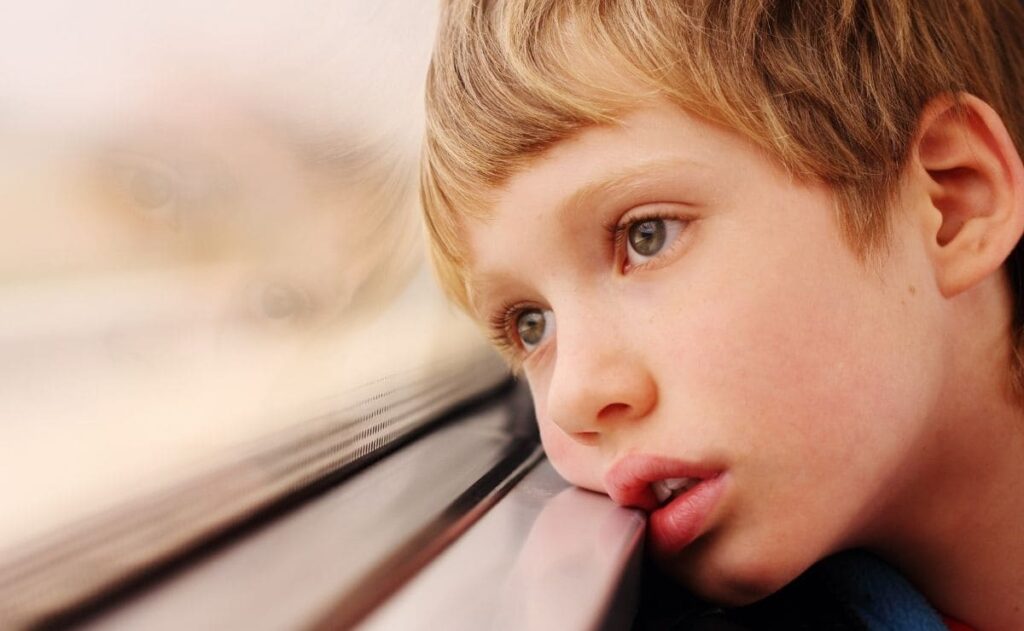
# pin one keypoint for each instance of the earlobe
(974, 180)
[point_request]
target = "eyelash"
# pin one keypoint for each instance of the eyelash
(501, 323)
(503, 319)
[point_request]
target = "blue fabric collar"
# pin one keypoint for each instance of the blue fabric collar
(879, 595)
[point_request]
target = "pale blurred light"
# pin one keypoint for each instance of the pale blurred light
(203, 203)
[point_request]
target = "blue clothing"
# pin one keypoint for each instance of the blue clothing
(876, 593)
(851, 591)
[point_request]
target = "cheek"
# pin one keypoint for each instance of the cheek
(820, 395)
(815, 391)
(802, 343)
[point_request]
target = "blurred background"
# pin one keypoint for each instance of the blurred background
(210, 235)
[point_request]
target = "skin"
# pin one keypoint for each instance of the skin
(840, 397)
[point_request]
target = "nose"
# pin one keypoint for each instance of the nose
(600, 382)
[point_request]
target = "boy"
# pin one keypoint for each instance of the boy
(758, 262)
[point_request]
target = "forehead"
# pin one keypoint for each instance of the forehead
(655, 154)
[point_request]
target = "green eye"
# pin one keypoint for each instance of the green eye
(533, 325)
(647, 237)
(651, 238)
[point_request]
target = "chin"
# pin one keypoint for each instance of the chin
(736, 577)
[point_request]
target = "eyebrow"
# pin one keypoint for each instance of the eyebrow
(478, 286)
(613, 185)
(618, 184)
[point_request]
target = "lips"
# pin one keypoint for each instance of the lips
(692, 492)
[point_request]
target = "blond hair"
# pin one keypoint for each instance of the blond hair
(831, 89)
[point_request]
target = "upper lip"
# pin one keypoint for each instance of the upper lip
(628, 481)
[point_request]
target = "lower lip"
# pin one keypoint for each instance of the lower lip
(675, 525)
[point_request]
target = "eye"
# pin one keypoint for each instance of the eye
(646, 238)
(154, 190)
(533, 326)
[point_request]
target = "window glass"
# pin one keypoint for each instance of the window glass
(211, 250)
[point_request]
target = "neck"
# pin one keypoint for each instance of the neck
(956, 527)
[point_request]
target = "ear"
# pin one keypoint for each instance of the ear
(974, 181)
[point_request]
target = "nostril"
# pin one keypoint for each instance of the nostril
(613, 411)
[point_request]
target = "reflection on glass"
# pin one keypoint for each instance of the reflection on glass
(210, 234)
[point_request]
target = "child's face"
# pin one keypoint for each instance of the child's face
(730, 329)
